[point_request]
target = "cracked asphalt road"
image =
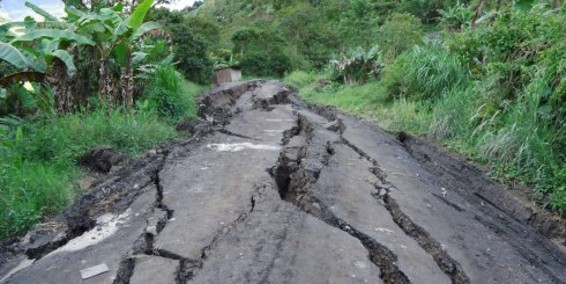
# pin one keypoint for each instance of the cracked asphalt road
(271, 191)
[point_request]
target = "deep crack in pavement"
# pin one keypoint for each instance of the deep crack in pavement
(268, 190)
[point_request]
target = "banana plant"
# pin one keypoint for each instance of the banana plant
(44, 51)
(358, 65)
(41, 52)
(115, 39)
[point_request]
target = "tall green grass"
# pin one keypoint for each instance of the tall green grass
(370, 101)
(39, 172)
(38, 157)
(170, 95)
(424, 73)
(428, 91)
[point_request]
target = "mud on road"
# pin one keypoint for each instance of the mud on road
(268, 190)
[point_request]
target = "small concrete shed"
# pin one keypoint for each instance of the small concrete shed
(226, 74)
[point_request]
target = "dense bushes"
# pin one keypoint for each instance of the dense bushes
(191, 53)
(399, 33)
(428, 10)
(167, 95)
(260, 53)
(262, 64)
(191, 38)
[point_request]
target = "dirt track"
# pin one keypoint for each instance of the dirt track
(270, 191)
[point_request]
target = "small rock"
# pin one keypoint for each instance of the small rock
(332, 126)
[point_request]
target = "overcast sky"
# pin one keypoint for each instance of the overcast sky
(17, 11)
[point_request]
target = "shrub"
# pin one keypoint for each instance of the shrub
(456, 17)
(399, 33)
(424, 73)
(191, 52)
(427, 10)
(166, 94)
(264, 64)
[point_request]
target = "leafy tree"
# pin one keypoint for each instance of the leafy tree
(399, 33)
(191, 52)
(204, 28)
(261, 52)
(195, 6)
(116, 39)
(50, 52)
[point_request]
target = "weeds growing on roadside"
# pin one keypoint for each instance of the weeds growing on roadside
(38, 174)
(170, 96)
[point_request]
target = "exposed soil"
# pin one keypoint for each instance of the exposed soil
(268, 190)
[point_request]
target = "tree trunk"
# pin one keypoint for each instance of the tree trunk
(61, 88)
(105, 83)
(127, 85)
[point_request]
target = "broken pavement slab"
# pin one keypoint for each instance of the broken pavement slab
(154, 269)
(276, 243)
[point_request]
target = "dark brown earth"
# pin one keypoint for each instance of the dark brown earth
(268, 190)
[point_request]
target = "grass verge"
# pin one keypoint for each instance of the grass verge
(516, 142)
(38, 163)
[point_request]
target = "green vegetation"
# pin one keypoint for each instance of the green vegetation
(489, 85)
(39, 170)
(168, 95)
(485, 78)
(54, 108)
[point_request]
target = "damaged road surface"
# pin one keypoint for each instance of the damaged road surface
(270, 191)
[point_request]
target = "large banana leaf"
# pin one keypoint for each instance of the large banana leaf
(73, 13)
(138, 15)
(144, 28)
(41, 12)
(53, 34)
(47, 24)
(66, 58)
(13, 56)
(121, 51)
